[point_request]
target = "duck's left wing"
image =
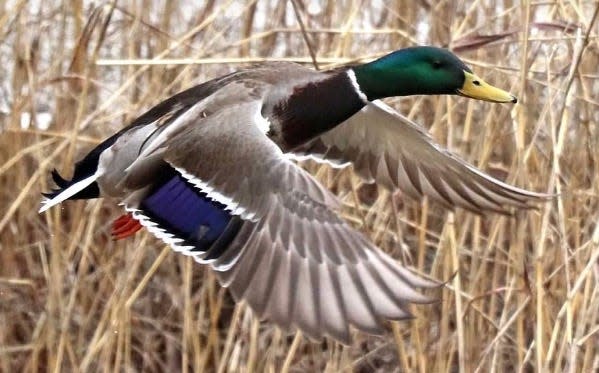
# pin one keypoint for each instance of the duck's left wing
(389, 149)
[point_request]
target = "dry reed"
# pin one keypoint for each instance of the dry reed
(525, 296)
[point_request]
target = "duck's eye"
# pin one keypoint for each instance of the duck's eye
(475, 82)
(437, 64)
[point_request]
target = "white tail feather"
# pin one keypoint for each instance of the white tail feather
(69, 192)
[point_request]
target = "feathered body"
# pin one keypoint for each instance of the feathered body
(210, 172)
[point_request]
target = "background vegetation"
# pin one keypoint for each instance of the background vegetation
(525, 296)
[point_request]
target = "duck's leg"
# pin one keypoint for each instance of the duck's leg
(125, 226)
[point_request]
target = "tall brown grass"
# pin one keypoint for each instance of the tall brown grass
(525, 295)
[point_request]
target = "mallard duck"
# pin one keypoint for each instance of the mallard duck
(210, 172)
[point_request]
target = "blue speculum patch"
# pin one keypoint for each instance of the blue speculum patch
(186, 212)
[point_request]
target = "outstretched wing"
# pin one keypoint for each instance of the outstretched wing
(387, 148)
(293, 260)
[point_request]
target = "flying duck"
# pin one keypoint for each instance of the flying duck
(211, 172)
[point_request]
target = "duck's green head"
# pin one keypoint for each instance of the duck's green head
(424, 71)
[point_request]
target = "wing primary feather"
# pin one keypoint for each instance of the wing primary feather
(413, 172)
(307, 306)
(360, 310)
(483, 200)
(330, 314)
(403, 273)
(305, 303)
(385, 302)
(495, 194)
(382, 172)
(458, 187)
(404, 182)
(436, 183)
(402, 290)
(351, 243)
(337, 325)
(392, 168)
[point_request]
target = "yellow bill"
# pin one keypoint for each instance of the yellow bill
(475, 87)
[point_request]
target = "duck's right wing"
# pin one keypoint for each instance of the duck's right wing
(293, 260)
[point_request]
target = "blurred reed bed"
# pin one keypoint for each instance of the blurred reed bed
(524, 296)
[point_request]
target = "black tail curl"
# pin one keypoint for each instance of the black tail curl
(92, 191)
